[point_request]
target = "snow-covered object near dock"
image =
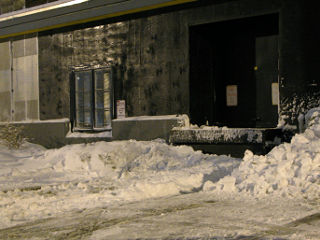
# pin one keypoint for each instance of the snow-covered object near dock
(290, 169)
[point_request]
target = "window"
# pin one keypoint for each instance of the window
(19, 80)
(92, 99)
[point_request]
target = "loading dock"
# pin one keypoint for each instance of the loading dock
(243, 64)
(234, 73)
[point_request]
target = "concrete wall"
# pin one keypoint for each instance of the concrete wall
(19, 73)
(150, 68)
(53, 134)
(150, 56)
(32, 3)
(60, 51)
(7, 6)
(49, 134)
(145, 128)
(5, 82)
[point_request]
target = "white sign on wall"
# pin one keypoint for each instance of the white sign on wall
(232, 95)
(121, 109)
(275, 93)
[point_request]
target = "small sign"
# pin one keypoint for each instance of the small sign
(121, 109)
(275, 93)
(232, 95)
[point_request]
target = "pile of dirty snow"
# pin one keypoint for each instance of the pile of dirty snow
(37, 183)
(289, 170)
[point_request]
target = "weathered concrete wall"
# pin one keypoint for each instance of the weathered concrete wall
(32, 3)
(157, 66)
(150, 67)
(59, 52)
(53, 81)
(145, 128)
(7, 6)
(150, 56)
(49, 134)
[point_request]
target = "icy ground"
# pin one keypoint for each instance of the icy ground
(150, 190)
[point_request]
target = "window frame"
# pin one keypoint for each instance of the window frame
(73, 104)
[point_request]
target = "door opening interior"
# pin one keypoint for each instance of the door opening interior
(234, 73)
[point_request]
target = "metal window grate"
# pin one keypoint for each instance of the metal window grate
(93, 99)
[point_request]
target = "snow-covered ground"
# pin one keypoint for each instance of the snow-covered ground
(151, 190)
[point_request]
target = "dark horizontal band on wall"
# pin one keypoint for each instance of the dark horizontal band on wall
(88, 11)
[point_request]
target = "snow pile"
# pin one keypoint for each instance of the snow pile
(289, 170)
(37, 183)
(115, 159)
(144, 169)
(14, 161)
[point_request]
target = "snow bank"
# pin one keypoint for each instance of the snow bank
(146, 169)
(37, 183)
(289, 170)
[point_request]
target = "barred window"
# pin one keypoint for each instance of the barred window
(92, 105)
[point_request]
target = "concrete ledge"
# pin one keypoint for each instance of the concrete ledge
(231, 141)
(146, 128)
(56, 133)
(83, 137)
(217, 135)
(50, 134)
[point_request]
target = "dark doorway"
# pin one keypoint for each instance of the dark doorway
(234, 73)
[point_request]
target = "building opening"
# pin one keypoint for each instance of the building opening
(234, 73)
(91, 99)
